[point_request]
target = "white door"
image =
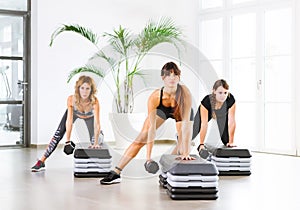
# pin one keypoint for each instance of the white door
(251, 47)
(261, 77)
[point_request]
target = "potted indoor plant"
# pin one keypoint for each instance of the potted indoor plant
(124, 55)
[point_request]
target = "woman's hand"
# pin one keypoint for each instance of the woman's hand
(185, 157)
(230, 145)
(200, 147)
(95, 146)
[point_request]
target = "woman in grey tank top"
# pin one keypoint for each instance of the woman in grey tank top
(84, 105)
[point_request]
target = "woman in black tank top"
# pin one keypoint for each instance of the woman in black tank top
(171, 101)
(220, 105)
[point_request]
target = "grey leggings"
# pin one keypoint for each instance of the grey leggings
(61, 130)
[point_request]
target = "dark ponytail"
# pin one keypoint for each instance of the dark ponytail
(178, 112)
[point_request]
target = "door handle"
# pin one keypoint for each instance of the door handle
(22, 83)
(258, 84)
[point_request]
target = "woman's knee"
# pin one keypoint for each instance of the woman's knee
(138, 145)
(142, 138)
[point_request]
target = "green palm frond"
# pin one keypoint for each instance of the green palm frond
(124, 54)
(153, 34)
(110, 60)
(132, 74)
(121, 40)
(135, 73)
(85, 32)
(87, 68)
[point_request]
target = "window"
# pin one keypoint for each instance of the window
(278, 79)
(17, 5)
(14, 73)
(249, 43)
(207, 4)
(212, 43)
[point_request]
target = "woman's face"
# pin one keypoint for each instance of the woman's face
(85, 90)
(171, 80)
(221, 94)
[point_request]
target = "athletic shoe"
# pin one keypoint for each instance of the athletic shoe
(111, 178)
(39, 166)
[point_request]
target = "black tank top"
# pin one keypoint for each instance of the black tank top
(163, 111)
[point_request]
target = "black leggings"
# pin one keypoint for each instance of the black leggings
(61, 130)
(222, 125)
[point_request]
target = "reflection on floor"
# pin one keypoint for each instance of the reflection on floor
(273, 184)
(9, 136)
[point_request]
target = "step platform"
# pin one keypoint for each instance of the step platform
(191, 196)
(92, 165)
(189, 179)
(102, 153)
(175, 166)
(232, 161)
(188, 190)
(163, 180)
(92, 162)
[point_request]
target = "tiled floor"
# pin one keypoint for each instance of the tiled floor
(273, 184)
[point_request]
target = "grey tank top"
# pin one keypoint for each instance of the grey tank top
(84, 114)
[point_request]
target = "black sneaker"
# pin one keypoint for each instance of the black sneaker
(111, 178)
(39, 166)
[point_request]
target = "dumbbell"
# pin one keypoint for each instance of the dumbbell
(69, 147)
(151, 166)
(203, 153)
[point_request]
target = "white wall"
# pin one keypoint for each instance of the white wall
(50, 66)
(297, 74)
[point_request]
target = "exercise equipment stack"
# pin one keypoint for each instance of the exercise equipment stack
(92, 162)
(232, 161)
(188, 179)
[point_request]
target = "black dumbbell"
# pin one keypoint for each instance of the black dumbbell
(151, 166)
(203, 153)
(69, 147)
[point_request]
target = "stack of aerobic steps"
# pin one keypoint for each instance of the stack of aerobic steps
(232, 161)
(189, 179)
(163, 179)
(92, 162)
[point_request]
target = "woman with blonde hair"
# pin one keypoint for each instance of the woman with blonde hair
(83, 105)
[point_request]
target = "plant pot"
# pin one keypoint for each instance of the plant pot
(126, 127)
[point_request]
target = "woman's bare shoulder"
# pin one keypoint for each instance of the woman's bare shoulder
(96, 101)
(70, 100)
(155, 94)
(186, 90)
(154, 97)
(70, 97)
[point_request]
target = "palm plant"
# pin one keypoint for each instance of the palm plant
(127, 50)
